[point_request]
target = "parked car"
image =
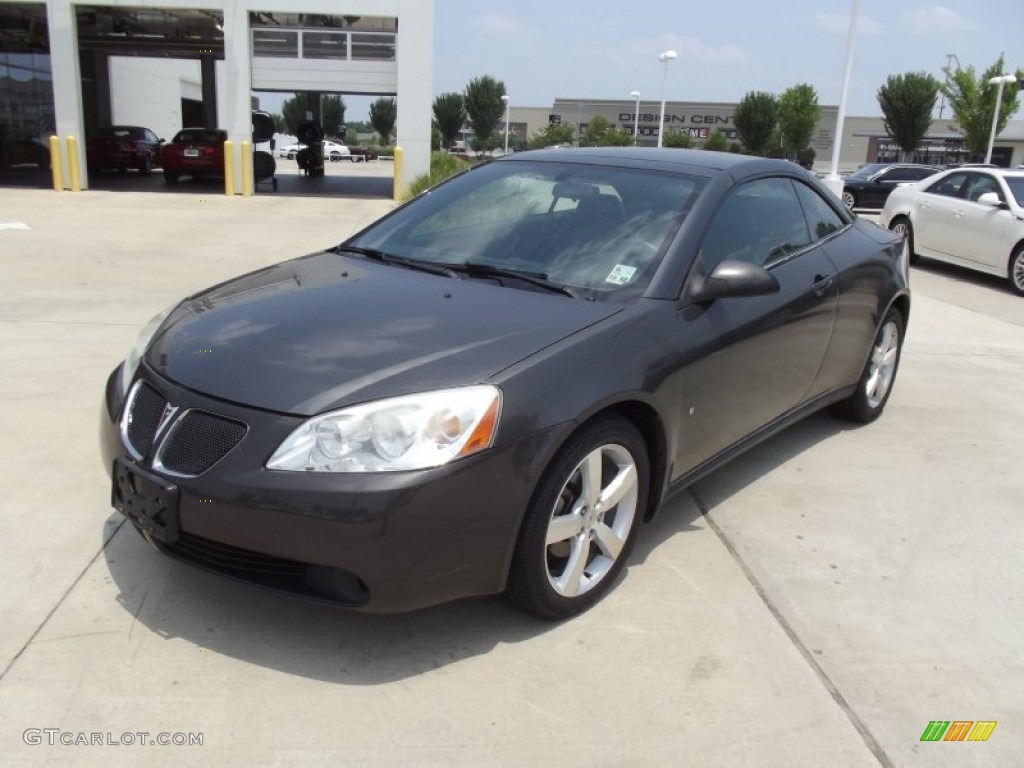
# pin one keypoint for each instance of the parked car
(333, 151)
(290, 151)
(194, 152)
(870, 185)
(970, 216)
(16, 153)
(362, 154)
(122, 147)
(492, 387)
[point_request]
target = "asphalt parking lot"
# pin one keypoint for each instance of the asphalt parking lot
(816, 603)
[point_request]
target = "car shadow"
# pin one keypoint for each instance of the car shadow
(331, 644)
(963, 274)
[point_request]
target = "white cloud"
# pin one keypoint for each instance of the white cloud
(936, 18)
(503, 25)
(840, 23)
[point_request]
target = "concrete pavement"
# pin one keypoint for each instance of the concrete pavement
(816, 603)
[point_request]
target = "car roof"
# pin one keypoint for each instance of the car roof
(694, 161)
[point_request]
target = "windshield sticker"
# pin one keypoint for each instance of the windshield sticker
(621, 275)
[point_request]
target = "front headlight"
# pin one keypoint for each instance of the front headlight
(138, 349)
(400, 433)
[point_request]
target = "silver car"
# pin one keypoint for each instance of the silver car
(972, 217)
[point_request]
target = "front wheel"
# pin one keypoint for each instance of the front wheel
(875, 383)
(578, 529)
(1016, 270)
(849, 199)
(901, 226)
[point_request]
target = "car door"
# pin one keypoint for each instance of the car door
(749, 360)
(934, 218)
(978, 231)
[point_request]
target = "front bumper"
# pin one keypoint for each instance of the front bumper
(382, 542)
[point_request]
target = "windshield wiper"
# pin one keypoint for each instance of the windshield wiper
(389, 258)
(540, 279)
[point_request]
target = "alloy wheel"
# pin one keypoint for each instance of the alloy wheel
(884, 356)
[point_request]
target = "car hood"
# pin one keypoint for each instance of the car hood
(326, 331)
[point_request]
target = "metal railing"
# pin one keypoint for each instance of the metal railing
(343, 45)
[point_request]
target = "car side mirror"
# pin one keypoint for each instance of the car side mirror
(991, 198)
(735, 278)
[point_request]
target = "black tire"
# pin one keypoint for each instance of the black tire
(867, 402)
(171, 177)
(849, 199)
(1015, 270)
(146, 165)
(616, 446)
(901, 225)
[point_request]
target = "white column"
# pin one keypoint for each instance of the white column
(415, 57)
(234, 82)
(67, 82)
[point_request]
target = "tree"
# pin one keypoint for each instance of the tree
(484, 105)
(383, 113)
(280, 124)
(907, 102)
(449, 116)
(601, 133)
(755, 117)
(553, 135)
(973, 102)
(677, 139)
(332, 109)
(798, 116)
(717, 141)
(294, 112)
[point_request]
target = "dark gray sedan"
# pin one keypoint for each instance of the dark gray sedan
(490, 389)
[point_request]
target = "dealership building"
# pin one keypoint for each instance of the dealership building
(68, 68)
(864, 139)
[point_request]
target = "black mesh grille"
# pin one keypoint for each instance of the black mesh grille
(234, 560)
(198, 441)
(143, 418)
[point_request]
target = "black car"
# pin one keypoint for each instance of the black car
(491, 388)
(870, 185)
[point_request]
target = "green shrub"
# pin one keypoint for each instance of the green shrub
(442, 166)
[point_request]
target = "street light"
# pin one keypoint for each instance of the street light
(1000, 81)
(665, 57)
(833, 181)
(636, 117)
(504, 98)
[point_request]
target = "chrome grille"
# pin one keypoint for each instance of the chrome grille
(142, 417)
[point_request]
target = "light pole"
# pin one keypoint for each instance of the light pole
(832, 181)
(504, 98)
(1000, 81)
(664, 57)
(949, 63)
(636, 118)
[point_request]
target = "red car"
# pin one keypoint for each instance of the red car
(123, 147)
(194, 152)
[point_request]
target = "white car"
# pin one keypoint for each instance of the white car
(973, 217)
(290, 150)
(335, 152)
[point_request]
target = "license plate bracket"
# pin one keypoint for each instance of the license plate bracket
(149, 501)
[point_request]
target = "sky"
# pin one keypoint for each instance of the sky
(604, 49)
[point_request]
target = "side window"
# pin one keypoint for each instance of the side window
(822, 220)
(978, 184)
(916, 174)
(949, 186)
(760, 222)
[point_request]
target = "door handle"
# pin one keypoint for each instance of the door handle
(821, 284)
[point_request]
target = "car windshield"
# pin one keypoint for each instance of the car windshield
(1016, 185)
(599, 230)
(867, 171)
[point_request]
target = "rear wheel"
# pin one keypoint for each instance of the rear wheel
(875, 383)
(146, 165)
(1016, 270)
(578, 530)
(901, 226)
(849, 199)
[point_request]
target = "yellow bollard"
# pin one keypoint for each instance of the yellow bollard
(229, 168)
(58, 182)
(246, 169)
(76, 185)
(397, 190)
